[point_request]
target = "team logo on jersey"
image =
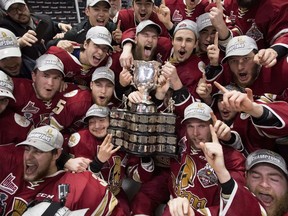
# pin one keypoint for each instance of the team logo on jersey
(186, 175)
(177, 17)
(3, 204)
(8, 186)
(254, 32)
(21, 120)
(114, 178)
(109, 62)
(29, 109)
(207, 176)
(74, 140)
(244, 116)
(19, 206)
(71, 94)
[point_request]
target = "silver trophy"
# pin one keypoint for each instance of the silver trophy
(145, 75)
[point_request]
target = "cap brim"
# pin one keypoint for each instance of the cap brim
(50, 67)
(102, 42)
(6, 6)
(239, 52)
(10, 52)
(5, 93)
(36, 144)
(196, 117)
(265, 161)
(89, 116)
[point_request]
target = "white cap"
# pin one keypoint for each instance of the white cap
(197, 110)
(41, 207)
(103, 73)
(9, 46)
(100, 35)
(7, 3)
(187, 24)
(49, 62)
(143, 24)
(45, 138)
(91, 3)
(6, 86)
(98, 111)
(266, 156)
(240, 46)
(203, 21)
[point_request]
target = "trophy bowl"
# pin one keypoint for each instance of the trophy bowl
(145, 75)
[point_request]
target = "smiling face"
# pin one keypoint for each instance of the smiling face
(270, 186)
(244, 69)
(38, 164)
(11, 65)
(102, 91)
(146, 43)
(98, 126)
(93, 54)
(142, 9)
(46, 83)
(184, 42)
(98, 15)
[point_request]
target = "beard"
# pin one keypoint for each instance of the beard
(281, 206)
(247, 3)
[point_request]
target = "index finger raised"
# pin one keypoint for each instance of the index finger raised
(216, 39)
(119, 24)
(219, 5)
(213, 134)
(220, 87)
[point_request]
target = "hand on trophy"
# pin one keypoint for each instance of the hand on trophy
(162, 87)
(136, 97)
(125, 77)
(169, 71)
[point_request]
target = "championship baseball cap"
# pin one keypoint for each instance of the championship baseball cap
(187, 24)
(268, 157)
(48, 62)
(7, 3)
(143, 24)
(100, 35)
(45, 138)
(91, 3)
(240, 46)
(6, 86)
(103, 73)
(203, 21)
(9, 46)
(98, 111)
(197, 110)
(146, 0)
(41, 207)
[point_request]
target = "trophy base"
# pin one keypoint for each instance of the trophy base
(144, 107)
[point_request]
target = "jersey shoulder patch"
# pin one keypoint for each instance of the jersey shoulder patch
(74, 140)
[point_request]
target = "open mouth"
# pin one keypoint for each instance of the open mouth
(147, 50)
(243, 76)
(142, 15)
(30, 169)
(100, 22)
(265, 198)
(181, 53)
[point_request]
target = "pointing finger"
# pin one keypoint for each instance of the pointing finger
(119, 24)
(213, 134)
(219, 5)
(220, 87)
(216, 39)
(249, 93)
(213, 117)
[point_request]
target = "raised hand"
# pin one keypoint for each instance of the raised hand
(106, 149)
(215, 157)
(125, 77)
(222, 130)
(204, 90)
(180, 206)
(28, 39)
(117, 34)
(266, 57)
(213, 52)
(236, 100)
